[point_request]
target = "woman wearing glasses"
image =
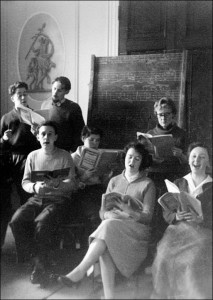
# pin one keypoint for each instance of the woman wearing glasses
(165, 111)
(173, 167)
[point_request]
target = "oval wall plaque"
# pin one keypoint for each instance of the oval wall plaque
(41, 55)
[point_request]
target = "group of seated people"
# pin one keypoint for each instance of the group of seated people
(182, 263)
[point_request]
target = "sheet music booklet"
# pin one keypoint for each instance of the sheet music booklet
(32, 117)
(160, 146)
(175, 199)
(123, 202)
(100, 159)
(42, 175)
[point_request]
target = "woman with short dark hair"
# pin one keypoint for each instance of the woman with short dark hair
(120, 242)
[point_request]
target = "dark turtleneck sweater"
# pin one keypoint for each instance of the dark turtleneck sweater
(179, 136)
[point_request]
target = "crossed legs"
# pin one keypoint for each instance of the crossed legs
(108, 274)
(97, 251)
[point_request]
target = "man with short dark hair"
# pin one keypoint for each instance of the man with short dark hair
(16, 136)
(66, 113)
(35, 223)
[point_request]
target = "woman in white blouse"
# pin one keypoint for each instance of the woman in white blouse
(182, 268)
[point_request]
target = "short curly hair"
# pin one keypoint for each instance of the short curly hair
(88, 130)
(17, 85)
(165, 102)
(64, 81)
(195, 145)
(140, 148)
(48, 123)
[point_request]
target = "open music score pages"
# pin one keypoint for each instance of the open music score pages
(98, 159)
(175, 199)
(89, 159)
(171, 187)
(123, 202)
(158, 145)
(32, 117)
(43, 175)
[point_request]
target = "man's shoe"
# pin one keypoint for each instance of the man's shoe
(52, 277)
(37, 276)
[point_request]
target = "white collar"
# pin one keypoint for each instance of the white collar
(196, 190)
(131, 178)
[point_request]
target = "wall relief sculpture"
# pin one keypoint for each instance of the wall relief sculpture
(40, 64)
(41, 54)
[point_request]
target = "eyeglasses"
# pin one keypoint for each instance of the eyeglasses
(166, 115)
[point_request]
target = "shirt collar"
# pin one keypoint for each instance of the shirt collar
(133, 177)
(58, 103)
(196, 190)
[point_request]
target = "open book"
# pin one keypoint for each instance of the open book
(100, 159)
(32, 117)
(175, 199)
(42, 175)
(115, 200)
(160, 146)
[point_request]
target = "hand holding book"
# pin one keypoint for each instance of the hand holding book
(189, 216)
(115, 200)
(100, 161)
(121, 206)
(160, 146)
(41, 188)
(52, 182)
(116, 214)
(175, 201)
(29, 116)
(87, 174)
(49, 175)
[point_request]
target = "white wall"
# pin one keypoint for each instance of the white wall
(87, 27)
(96, 32)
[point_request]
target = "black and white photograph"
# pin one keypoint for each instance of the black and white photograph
(105, 105)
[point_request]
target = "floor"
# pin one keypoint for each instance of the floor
(15, 282)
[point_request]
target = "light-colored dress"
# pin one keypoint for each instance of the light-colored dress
(127, 240)
(182, 268)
